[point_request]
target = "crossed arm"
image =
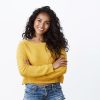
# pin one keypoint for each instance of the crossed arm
(46, 70)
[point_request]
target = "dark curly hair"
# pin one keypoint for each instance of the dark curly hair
(54, 37)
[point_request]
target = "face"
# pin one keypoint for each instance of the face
(42, 23)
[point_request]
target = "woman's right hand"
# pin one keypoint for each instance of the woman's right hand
(59, 62)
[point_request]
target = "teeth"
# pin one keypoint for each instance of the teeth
(40, 29)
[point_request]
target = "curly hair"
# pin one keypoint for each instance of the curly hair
(54, 37)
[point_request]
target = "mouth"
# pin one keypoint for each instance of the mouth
(41, 29)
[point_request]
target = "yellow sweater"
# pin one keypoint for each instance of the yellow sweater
(39, 70)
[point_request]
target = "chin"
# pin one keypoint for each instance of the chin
(40, 32)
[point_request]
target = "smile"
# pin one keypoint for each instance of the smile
(40, 29)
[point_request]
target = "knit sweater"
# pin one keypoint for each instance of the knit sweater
(39, 69)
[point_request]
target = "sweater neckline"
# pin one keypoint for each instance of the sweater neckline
(36, 42)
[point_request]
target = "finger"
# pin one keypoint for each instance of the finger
(27, 62)
(64, 65)
(60, 58)
(64, 60)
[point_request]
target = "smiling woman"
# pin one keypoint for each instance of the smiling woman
(41, 23)
(42, 57)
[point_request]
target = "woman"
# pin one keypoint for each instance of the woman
(41, 56)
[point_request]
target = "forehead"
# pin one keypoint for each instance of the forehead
(43, 16)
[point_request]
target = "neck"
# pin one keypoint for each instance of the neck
(37, 38)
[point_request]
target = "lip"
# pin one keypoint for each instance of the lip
(40, 29)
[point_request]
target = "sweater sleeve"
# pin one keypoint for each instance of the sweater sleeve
(28, 70)
(59, 71)
(63, 69)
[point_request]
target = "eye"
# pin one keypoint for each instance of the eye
(48, 23)
(39, 20)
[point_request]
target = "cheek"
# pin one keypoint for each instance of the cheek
(35, 23)
(47, 27)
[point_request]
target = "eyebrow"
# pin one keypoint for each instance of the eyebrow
(40, 19)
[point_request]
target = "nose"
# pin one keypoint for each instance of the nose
(42, 25)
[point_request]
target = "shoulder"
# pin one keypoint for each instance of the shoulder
(23, 42)
(21, 48)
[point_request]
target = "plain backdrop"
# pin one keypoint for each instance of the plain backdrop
(80, 20)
